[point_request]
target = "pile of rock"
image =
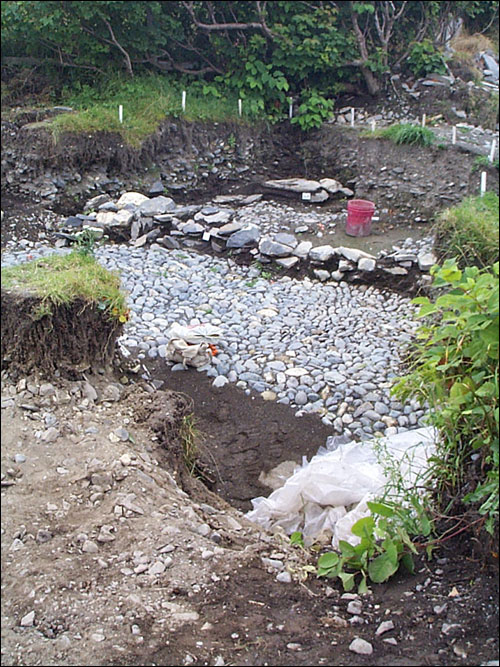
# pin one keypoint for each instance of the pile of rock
(140, 220)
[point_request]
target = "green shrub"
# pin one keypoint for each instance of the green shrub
(313, 110)
(384, 546)
(455, 370)
(469, 232)
(483, 161)
(405, 133)
(425, 59)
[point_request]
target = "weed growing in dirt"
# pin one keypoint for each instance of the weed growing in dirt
(406, 133)
(189, 435)
(384, 545)
(469, 232)
(63, 279)
(455, 369)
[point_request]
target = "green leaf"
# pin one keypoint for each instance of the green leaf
(347, 549)
(490, 335)
(381, 508)
(363, 587)
(408, 563)
(364, 527)
(296, 538)
(382, 568)
(327, 564)
(426, 309)
(487, 389)
(347, 580)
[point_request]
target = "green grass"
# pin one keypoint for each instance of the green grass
(483, 161)
(405, 133)
(63, 279)
(469, 231)
(146, 102)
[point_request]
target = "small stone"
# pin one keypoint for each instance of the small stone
(125, 460)
(157, 568)
(16, 545)
(355, 607)
(43, 536)
(88, 391)
(366, 264)
(268, 395)
(361, 646)
(385, 626)
(90, 547)
(203, 530)
(97, 637)
(47, 389)
(284, 577)
(28, 620)
(122, 434)
(390, 640)
(50, 435)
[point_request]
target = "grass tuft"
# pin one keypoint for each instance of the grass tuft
(469, 231)
(405, 133)
(63, 279)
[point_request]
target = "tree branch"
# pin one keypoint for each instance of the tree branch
(209, 27)
(128, 62)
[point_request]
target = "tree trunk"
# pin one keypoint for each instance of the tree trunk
(371, 81)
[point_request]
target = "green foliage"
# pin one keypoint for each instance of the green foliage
(384, 545)
(61, 279)
(425, 59)
(406, 133)
(455, 370)
(482, 161)
(296, 539)
(313, 111)
(86, 242)
(280, 48)
(469, 232)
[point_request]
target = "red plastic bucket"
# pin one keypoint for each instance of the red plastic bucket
(359, 217)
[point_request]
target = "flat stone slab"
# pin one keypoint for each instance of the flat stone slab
(293, 185)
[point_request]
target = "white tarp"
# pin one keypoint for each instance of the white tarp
(330, 492)
(190, 345)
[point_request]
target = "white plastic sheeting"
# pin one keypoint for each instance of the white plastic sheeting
(331, 491)
(190, 345)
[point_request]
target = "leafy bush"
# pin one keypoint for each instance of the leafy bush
(455, 370)
(425, 59)
(313, 110)
(406, 133)
(469, 232)
(384, 545)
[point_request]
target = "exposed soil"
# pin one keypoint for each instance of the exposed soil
(69, 337)
(215, 603)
